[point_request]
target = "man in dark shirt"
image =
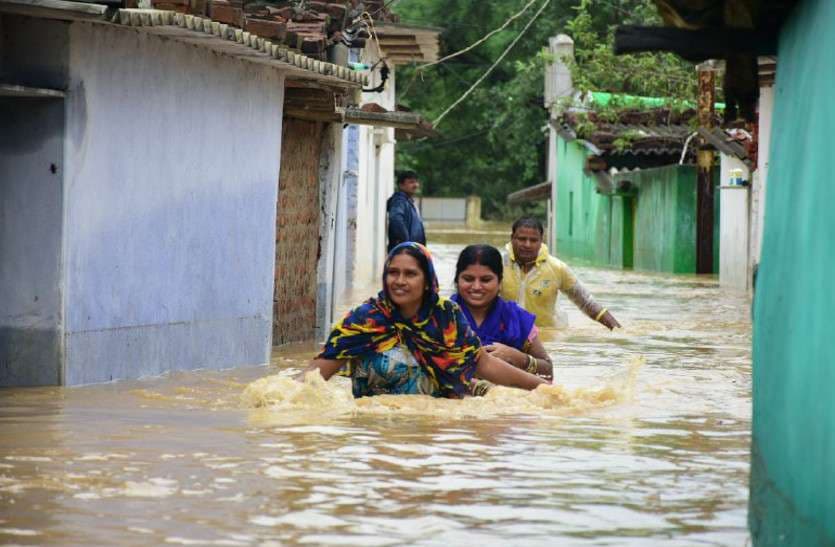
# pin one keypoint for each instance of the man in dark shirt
(404, 222)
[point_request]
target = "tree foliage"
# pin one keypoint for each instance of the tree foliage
(493, 143)
(597, 67)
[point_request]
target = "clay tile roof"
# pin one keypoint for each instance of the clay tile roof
(261, 43)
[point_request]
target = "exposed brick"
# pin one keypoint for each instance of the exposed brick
(313, 46)
(297, 233)
(225, 13)
(199, 7)
(171, 7)
(336, 11)
(272, 30)
(308, 28)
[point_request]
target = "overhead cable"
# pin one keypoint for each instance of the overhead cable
(481, 40)
(494, 65)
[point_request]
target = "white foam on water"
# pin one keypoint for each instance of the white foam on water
(19, 532)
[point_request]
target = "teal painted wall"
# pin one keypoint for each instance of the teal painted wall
(793, 450)
(577, 204)
(665, 219)
(653, 228)
(621, 243)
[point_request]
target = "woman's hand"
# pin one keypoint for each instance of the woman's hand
(326, 367)
(501, 373)
(508, 354)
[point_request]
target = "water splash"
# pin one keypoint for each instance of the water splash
(282, 395)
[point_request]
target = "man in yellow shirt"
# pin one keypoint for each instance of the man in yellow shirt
(533, 279)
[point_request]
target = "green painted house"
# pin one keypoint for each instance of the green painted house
(643, 216)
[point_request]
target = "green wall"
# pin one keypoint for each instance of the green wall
(793, 450)
(653, 227)
(622, 231)
(577, 204)
(665, 218)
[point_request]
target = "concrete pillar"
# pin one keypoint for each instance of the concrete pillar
(558, 87)
(330, 180)
(760, 180)
(473, 215)
(558, 82)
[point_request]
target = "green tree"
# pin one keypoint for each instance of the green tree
(493, 143)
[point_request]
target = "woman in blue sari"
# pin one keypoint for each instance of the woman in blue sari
(506, 330)
(410, 340)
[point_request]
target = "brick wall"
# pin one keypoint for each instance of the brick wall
(297, 233)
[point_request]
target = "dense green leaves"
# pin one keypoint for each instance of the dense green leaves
(494, 142)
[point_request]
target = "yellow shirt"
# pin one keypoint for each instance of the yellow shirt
(538, 290)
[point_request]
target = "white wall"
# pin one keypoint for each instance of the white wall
(552, 201)
(734, 221)
(760, 178)
(172, 166)
(346, 218)
(443, 209)
(375, 183)
(330, 181)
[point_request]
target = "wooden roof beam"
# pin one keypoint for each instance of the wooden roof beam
(538, 192)
(695, 45)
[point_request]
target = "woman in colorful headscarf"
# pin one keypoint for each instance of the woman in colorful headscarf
(506, 330)
(409, 340)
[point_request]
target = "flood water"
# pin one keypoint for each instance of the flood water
(644, 439)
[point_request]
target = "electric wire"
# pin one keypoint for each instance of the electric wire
(494, 65)
(480, 40)
(417, 69)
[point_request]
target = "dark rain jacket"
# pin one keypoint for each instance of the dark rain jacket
(404, 220)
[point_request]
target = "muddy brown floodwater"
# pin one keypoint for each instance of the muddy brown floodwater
(643, 439)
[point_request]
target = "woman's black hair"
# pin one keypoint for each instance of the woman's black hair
(485, 255)
(422, 261)
(528, 222)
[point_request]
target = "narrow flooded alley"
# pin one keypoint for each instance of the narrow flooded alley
(644, 438)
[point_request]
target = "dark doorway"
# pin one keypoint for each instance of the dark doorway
(31, 226)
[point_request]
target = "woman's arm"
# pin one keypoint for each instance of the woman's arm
(501, 373)
(326, 367)
(518, 359)
(544, 366)
(536, 360)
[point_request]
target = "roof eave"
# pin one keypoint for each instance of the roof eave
(235, 42)
(55, 9)
(406, 44)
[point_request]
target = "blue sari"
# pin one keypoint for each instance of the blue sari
(506, 323)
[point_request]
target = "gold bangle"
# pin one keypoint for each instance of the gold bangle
(600, 314)
(532, 365)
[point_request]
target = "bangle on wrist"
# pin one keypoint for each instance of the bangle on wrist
(600, 314)
(532, 365)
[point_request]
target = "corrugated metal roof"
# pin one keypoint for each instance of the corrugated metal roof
(655, 132)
